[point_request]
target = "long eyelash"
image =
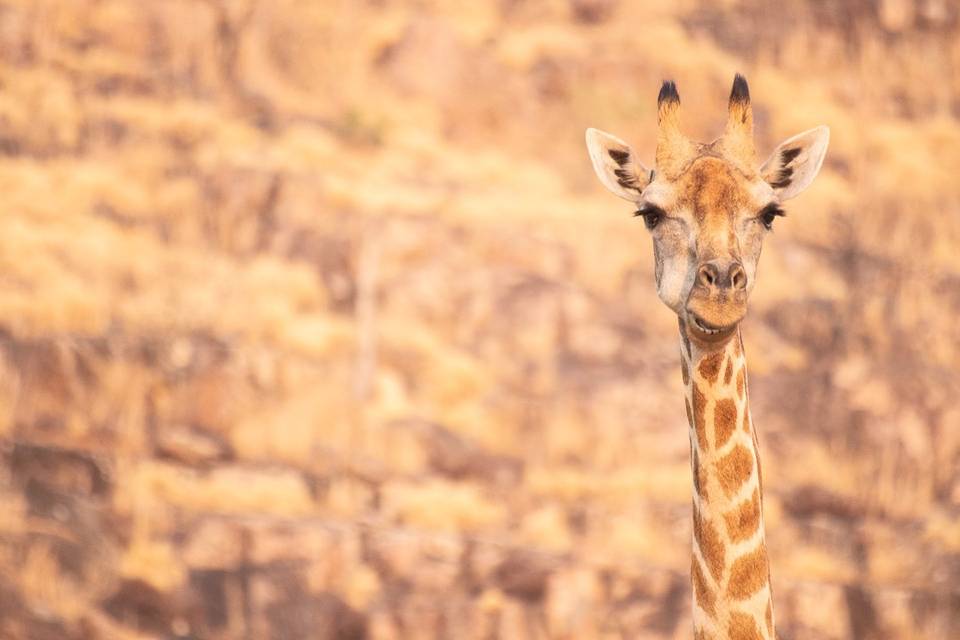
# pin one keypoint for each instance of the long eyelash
(772, 209)
(647, 209)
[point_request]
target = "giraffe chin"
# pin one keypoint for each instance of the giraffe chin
(706, 333)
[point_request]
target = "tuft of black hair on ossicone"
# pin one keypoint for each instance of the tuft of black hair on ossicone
(668, 92)
(740, 93)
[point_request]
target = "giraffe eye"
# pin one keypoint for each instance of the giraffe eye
(652, 215)
(768, 213)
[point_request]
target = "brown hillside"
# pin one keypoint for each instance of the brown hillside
(315, 323)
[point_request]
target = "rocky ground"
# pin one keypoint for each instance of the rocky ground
(314, 322)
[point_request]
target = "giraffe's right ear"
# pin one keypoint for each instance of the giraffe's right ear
(616, 165)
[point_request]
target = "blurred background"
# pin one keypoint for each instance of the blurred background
(315, 322)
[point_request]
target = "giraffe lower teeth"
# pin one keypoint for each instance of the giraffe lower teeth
(703, 328)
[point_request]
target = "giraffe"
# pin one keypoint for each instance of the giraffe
(707, 207)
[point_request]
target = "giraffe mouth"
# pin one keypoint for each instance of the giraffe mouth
(706, 331)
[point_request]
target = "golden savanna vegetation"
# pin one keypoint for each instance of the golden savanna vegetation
(315, 323)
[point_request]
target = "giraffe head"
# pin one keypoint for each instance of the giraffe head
(708, 206)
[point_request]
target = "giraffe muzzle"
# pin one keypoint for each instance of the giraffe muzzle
(706, 332)
(718, 299)
(714, 316)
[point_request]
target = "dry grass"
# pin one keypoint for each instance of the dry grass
(333, 282)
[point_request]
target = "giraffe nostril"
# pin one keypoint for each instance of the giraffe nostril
(738, 277)
(707, 274)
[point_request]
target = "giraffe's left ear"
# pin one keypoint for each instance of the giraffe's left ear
(795, 163)
(616, 165)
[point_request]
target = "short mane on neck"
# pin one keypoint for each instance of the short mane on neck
(730, 572)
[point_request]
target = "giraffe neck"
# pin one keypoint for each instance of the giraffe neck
(729, 569)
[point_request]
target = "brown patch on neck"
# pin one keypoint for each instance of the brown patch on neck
(699, 408)
(728, 372)
(748, 574)
(724, 421)
(741, 382)
(702, 593)
(734, 469)
(709, 543)
(710, 366)
(699, 476)
(743, 627)
(743, 521)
